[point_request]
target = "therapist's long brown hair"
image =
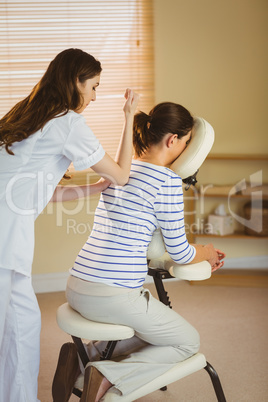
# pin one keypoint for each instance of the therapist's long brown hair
(56, 93)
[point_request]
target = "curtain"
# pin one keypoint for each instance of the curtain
(118, 33)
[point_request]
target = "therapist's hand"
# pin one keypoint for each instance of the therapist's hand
(103, 183)
(132, 100)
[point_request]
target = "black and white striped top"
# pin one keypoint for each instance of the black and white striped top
(125, 219)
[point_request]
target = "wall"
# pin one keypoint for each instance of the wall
(62, 229)
(210, 56)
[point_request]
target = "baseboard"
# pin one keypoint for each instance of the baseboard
(56, 282)
(240, 272)
(52, 282)
(245, 266)
(259, 262)
(246, 278)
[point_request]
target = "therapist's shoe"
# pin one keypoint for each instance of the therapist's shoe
(95, 385)
(66, 373)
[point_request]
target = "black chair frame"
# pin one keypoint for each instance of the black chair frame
(158, 275)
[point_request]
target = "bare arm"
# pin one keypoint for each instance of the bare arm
(210, 254)
(118, 171)
(69, 193)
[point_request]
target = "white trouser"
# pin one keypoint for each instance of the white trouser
(20, 325)
(163, 338)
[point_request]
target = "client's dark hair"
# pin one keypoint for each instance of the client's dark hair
(164, 118)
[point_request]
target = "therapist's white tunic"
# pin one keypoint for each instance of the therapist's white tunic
(28, 180)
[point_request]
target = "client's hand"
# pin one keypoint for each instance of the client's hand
(215, 256)
(220, 263)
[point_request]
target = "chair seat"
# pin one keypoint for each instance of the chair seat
(191, 272)
(180, 370)
(71, 322)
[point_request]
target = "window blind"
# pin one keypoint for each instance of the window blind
(118, 33)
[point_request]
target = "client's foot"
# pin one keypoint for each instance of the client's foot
(95, 385)
(66, 373)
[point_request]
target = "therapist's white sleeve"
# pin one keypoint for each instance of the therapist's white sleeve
(82, 147)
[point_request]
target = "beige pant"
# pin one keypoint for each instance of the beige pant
(162, 337)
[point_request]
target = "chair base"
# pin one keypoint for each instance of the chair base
(180, 370)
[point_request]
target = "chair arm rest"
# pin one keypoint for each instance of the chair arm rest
(190, 272)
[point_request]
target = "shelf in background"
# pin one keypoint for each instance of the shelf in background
(235, 235)
(245, 196)
(249, 157)
(256, 275)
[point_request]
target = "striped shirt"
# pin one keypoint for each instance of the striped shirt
(125, 219)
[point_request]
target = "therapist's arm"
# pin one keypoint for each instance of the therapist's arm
(70, 193)
(118, 171)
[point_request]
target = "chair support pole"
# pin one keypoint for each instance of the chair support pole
(216, 382)
(158, 276)
(108, 352)
(81, 350)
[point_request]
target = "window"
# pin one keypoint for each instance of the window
(118, 33)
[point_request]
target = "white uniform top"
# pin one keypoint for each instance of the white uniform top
(125, 219)
(29, 178)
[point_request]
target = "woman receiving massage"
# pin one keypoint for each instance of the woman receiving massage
(106, 280)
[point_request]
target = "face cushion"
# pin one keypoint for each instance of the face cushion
(186, 165)
(196, 152)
